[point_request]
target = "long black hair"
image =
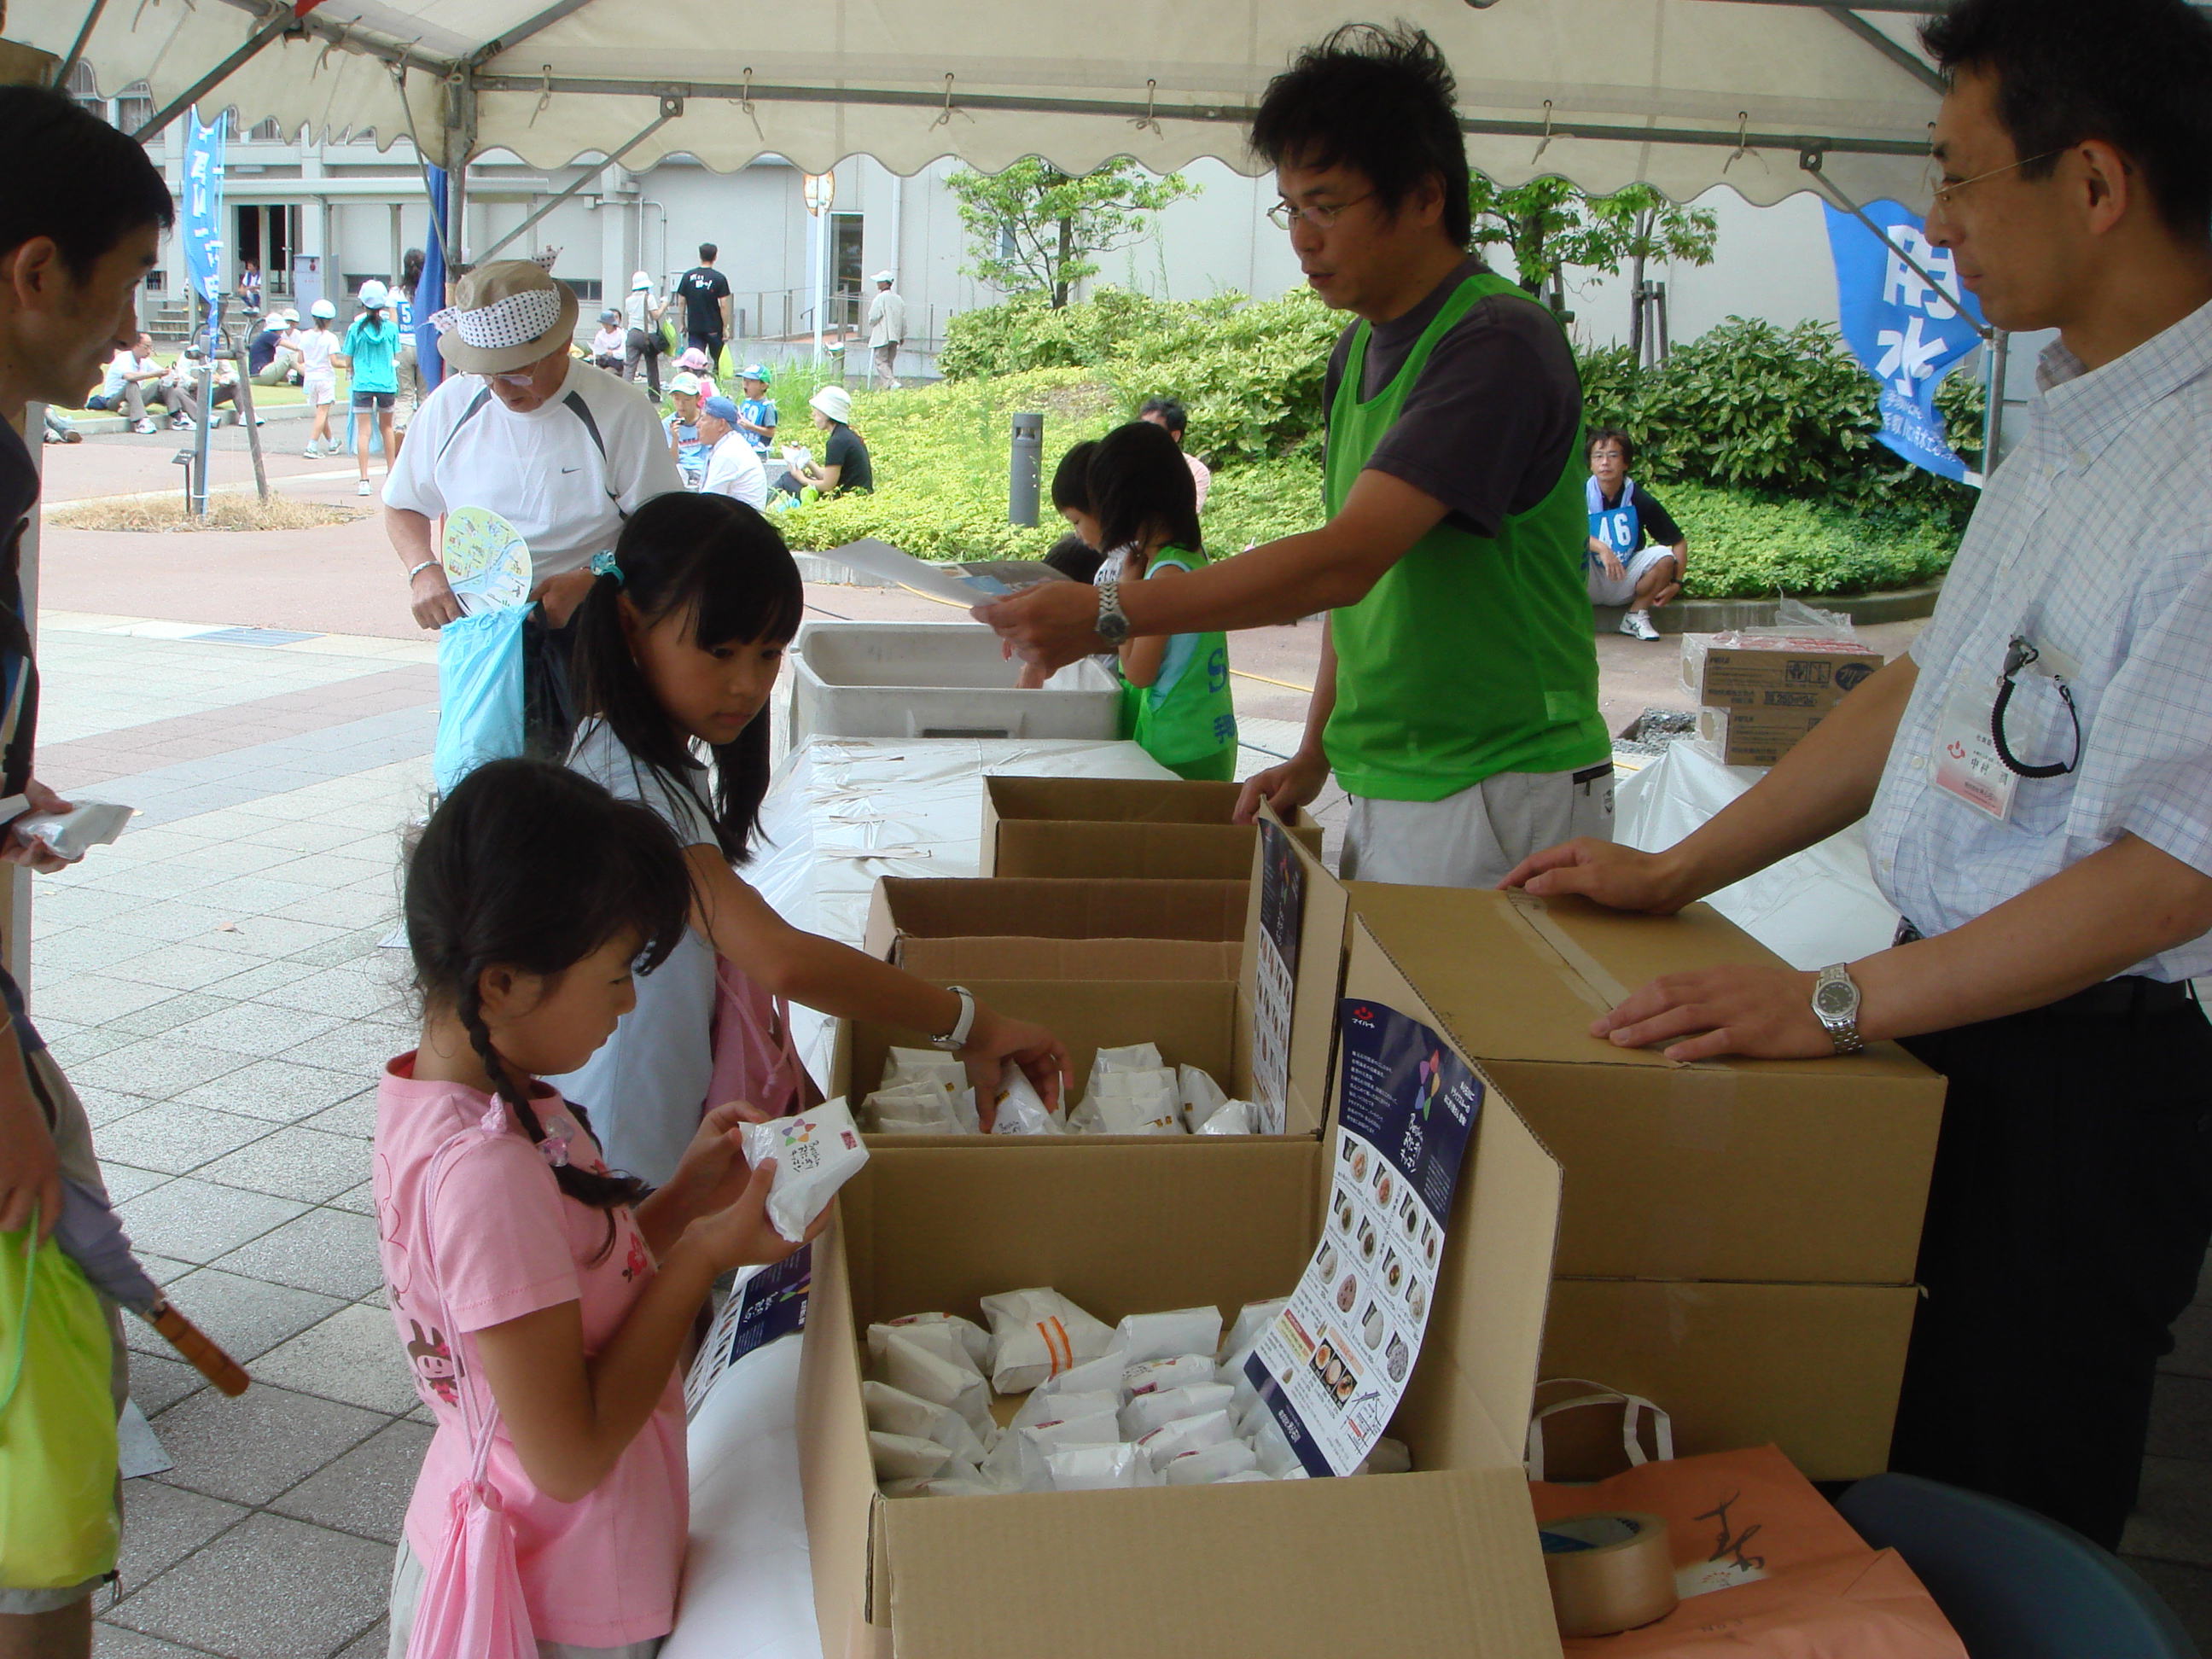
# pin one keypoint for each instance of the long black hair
(527, 866)
(1139, 486)
(723, 564)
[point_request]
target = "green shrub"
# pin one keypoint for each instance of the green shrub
(1752, 544)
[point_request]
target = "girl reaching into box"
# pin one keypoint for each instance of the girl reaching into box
(679, 644)
(1130, 495)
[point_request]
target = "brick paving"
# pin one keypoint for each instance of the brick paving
(215, 986)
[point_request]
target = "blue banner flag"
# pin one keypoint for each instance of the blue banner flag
(1908, 333)
(430, 287)
(202, 216)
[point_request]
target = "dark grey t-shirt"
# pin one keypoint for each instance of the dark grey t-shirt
(1490, 425)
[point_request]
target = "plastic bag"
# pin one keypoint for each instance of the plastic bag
(57, 1449)
(1148, 1412)
(1185, 1434)
(73, 834)
(1036, 1333)
(907, 1456)
(1048, 1406)
(816, 1153)
(907, 1365)
(894, 1410)
(1200, 1095)
(1167, 1335)
(1231, 1117)
(1131, 1103)
(1021, 1109)
(974, 1340)
(1155, 1376)
(1099, 1468)
(1210, 1464)
(479, 692)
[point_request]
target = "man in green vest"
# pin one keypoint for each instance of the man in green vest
(1457, 697)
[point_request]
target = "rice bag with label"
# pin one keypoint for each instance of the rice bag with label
(1186, 1434)
(974, 1341)
(1021, 1108)
(922, 1109)
(815, 1152)
(932, 1067)
(1099, 1376)
(1148, 1412)
(1132, 1057)
(1165, 1335)
(1133, 1103)
(1156, 1375)
(1208, 1464)
(906, 1457)
(1274, 1457)
(1098, 1469)
(1199, 1095)
(1253, 1322)
(1233, 1117)
(955, 1482)
(911, 1368)
(1017, 1463)
(1055, 1406)
(894, 1410)
(1037, 1333)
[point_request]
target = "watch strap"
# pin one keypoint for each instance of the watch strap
(1113, 621)
(956, 1039)
(1843, 1030)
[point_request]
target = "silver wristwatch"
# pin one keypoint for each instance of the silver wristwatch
(1836, 1005)
(1113, 622)
(956, 1039)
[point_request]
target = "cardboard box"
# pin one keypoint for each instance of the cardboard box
(957, 961)
(1750, 670)
(905, 908)
(1753, 736)
(1440, 1562)
(1815, 1368)
(1103, 827)
(1788, 1170)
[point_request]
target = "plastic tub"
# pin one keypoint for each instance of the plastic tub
(885, 679)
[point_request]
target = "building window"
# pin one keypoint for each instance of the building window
(588, 289)
(84, 91)
(157, 281)
(267, 132)
(135, 108)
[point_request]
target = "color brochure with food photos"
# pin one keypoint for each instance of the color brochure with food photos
(1282, 917)
(1335, 1366)
(770, 1303)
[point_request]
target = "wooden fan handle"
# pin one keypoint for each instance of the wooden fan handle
(201, 1349)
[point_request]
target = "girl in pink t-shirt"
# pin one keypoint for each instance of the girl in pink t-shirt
(542, 1300)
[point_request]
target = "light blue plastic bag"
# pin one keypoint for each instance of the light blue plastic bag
(479, 692)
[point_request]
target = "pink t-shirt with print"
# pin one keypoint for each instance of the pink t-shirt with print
(600, 1572)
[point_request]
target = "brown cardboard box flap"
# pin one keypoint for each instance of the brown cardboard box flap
(1409, 1565)
(1319, 976)
(1118, 801)
(960, 960)
(1119, 827)
(1054, 908)
(1813, 1369)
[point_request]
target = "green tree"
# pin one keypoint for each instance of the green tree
(1034, 229)
(1547, 225)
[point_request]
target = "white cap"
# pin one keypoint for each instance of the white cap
(638, 280)
(323, 308)
(835, 402)
(883, 276)
(375, 296)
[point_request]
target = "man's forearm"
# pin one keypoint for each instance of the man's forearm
(1322, 703)
(2118, 906)
(1277, 583)
(1823, 785)
(410, 535)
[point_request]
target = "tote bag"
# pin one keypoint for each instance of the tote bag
(755, 1058)
(57, 1448)
(480, 692)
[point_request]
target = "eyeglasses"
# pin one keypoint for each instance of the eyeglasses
(1944, 193)
(1320, 218)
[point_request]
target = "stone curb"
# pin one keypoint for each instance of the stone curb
(1714, 616)
(94, 426)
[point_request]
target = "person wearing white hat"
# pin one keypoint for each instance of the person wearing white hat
(319, 346)
(642, 343)
(561, 450)
(844, 463)
(271, 356)
(370, 356)
(886, 331)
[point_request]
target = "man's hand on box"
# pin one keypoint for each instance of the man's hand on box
(1764, 1013)
(1286, 787)
(1620, 877)
(1051, 624)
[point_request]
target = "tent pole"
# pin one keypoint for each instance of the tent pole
(1997, 349)
(190, 95)
(589, 175)
(1811, 162)
(76, 50)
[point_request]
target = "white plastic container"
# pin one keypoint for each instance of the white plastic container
(894, 680)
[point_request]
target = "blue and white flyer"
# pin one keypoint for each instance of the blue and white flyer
(1333, 1367)
(770, 1303)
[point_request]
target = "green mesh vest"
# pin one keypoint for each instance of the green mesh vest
(1474, 655)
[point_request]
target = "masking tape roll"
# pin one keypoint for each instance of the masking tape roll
(1608, 1572)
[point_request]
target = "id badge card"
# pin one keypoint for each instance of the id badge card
(1965, 754)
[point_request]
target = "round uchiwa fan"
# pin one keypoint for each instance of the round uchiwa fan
(487, 561)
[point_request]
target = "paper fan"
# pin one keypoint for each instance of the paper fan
(486, 560)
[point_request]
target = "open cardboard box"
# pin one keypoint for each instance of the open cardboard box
(1813, 1369)
(1101, 827)
(1440, 1562)
(1213, 1023)
(953, 931)
(1811, 1170)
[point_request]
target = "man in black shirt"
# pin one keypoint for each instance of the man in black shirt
(80, 227)
(706, 294)
(1623, 517)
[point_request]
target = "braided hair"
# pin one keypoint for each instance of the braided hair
(528, 866)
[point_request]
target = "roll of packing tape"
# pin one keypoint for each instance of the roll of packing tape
(1609, 1572)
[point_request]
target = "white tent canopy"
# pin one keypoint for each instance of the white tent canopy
(1678, 93)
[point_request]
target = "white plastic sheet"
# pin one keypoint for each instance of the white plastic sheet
(1815, 908)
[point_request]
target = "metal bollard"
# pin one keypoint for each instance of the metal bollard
(1027, 465)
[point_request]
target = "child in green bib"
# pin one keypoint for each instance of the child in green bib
(1130, 495)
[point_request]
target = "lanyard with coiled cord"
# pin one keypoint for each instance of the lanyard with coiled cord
(2018, 655)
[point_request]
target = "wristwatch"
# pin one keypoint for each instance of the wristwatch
(1836, 1005)
(956, 1039)
(1113, 622)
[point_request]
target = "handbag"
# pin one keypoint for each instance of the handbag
(58, 1527)
(755, 1058)
(472, 1604)
(480, 692)
(1764, 1563)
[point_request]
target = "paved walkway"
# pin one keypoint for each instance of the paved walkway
(214, 985)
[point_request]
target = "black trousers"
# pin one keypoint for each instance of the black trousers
(710, 344)
(549, 710)
(2066, 1226)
